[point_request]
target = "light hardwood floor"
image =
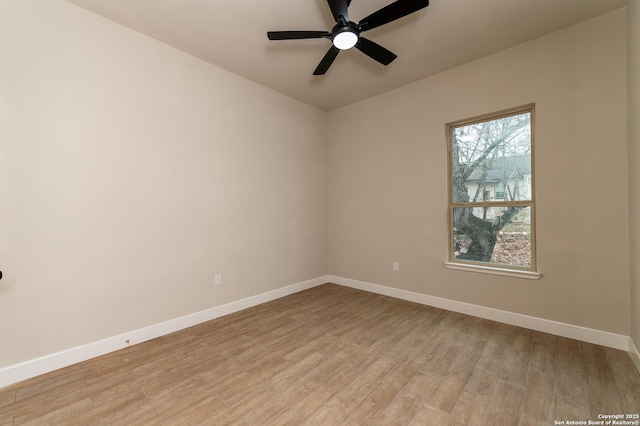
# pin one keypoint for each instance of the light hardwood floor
(335, 355)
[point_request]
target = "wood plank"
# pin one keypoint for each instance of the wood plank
(239, 406)
(334, 411)
(627, 380)
(197, 413)
(471, 409)
(6, 398)
(603, 392)
(412, 396)
(335, 355)
(56, 417)
(140, 412)
(47, 383)
(506, 405)
(430, 416)
(544, 354)
(372, 406)
(572, 387)
(100, 410)
(540, 397)
(6, 419)
(446, 395)
(275, 407)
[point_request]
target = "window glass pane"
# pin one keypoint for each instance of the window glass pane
(497, 235)
(491, 160)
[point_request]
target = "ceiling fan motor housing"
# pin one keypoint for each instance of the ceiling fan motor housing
(345, 36)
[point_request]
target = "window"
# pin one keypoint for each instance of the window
(491, 191)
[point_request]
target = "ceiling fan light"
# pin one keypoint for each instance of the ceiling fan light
(345, 40)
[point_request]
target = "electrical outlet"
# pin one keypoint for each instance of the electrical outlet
(396, 266)
(218, 279)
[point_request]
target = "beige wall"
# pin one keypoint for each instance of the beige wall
(633, 99)
(131, 173)
(387, 178)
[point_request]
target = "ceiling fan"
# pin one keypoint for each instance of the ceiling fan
(346, 34)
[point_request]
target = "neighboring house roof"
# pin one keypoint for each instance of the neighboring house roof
(501, 168)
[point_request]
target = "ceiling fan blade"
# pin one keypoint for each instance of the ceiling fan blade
(395, 10)
(375, 51)
(296, 35)
(339, 7)
(326, 62)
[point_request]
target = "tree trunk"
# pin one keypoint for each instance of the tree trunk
(483, 233)
(483, 236)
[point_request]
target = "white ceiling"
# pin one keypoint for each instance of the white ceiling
(232, 35)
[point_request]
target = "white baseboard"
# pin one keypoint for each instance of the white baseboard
(28, 369)
(604, 338)
(634, 353)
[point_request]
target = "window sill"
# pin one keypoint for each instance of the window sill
(529, 275)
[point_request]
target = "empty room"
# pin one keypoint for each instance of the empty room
(321, 212)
